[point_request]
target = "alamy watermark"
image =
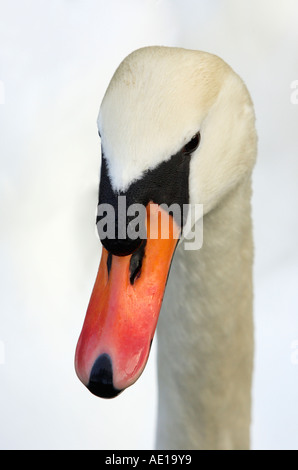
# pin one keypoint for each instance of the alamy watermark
(294, 94)
(136, 221)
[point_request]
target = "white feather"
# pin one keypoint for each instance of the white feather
(157, 100)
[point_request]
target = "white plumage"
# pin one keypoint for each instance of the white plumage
(158, 98)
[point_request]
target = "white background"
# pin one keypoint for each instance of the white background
(56, 59)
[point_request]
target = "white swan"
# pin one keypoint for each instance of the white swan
(177, 126)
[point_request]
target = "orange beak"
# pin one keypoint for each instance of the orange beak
(122, 315)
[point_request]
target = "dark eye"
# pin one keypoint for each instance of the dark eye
(192, 144)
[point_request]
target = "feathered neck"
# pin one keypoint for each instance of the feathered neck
(205, 335)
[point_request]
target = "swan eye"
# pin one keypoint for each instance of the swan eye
(192, 144)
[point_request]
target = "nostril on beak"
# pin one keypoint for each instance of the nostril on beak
(101, 378)
(136, 261)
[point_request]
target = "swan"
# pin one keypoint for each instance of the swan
(177, 126)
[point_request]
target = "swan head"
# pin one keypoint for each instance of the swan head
(177, 127)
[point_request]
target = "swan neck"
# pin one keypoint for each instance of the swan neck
(206, 325)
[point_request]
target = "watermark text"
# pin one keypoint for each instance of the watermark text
(154, 221)
(294, 94)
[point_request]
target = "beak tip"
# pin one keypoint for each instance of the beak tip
(101, 378)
